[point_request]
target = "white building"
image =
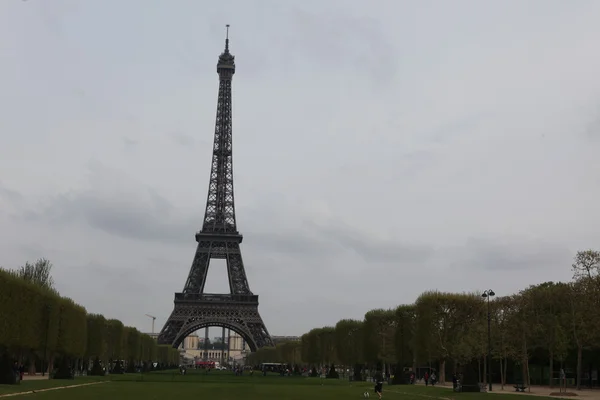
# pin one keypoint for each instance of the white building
(234, 350)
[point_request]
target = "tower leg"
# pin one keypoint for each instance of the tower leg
(228, 344)
(206, 343)
(223, 346)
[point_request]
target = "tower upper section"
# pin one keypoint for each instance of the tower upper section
(226, 64)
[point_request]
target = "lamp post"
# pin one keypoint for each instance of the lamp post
(487, 295)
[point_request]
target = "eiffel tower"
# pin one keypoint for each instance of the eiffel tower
(219, 239)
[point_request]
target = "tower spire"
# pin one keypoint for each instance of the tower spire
(226, 64)
(227, 38)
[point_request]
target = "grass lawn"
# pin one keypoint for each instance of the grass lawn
(226, 386)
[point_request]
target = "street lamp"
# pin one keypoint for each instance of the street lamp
(488, 294)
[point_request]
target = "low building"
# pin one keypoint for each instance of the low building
(232, 351)
(282, 339)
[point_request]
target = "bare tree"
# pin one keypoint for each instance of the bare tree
(38, 273)
(586, 264)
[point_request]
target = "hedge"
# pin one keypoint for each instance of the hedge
(38, 325)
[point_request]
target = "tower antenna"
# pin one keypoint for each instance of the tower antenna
(227, 37)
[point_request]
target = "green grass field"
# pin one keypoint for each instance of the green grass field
(226, 386)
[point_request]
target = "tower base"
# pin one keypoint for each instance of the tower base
(196, 311)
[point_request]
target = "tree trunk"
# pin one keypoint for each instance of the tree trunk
(505, 367)
(502, 373)
(528, 377)
(485, 368)
(579, 366)
(50, 365)
(442, 377)
(31, 369)
(525, 363)
(479, 369)
(551, 356)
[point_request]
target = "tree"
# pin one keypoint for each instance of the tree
(288, 352)
(38, 273)
(114, 340)
(440, 323)
(96, 341)
(97, 335)
(585, 302)
(404, 338)
(467, 334)
(379, 336)
(586, 264)
(326, 337)
(72, 331)
(583, 326)
(349, 344)
(132, 345)
(503, 347)
(311, 347)
(551, 303)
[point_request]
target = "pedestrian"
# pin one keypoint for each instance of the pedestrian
(379, 383)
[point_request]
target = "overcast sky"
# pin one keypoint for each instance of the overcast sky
(382, 148)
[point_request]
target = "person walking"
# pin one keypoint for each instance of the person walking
(379, 383)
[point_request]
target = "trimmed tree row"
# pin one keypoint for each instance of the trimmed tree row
(49, 333)
(534, 334)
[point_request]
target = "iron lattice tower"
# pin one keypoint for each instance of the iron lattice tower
(219, 239)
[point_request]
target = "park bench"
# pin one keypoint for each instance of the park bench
(519, 387)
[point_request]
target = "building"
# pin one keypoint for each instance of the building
(232, 351)
(192, 347)
(282, 339)
(190, 342)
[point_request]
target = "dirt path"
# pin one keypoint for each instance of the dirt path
(419, 394)
(545, 391)
(48, 389)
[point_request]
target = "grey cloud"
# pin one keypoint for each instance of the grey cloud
(403, 163)
(11, 196)
(129, 143)
(129, 218)
(372, 248)
(456, 128)
(593, 129)
(182, 139)
(511, 254)
(33, 251)
(340, 40)
(116, 216)
(152, 221)
(290, 243)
